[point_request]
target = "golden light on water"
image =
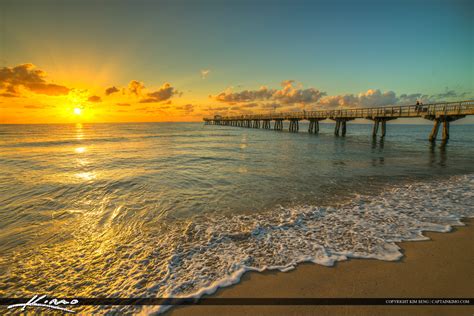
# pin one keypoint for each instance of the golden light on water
(80, 150)
(86, 175)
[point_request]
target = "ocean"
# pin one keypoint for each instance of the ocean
(180, 209)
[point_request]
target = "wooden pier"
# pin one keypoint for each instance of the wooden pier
(439, 113)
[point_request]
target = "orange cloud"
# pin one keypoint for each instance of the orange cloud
(288, 94)
(165, 93)
(30, 78)
(135, 87)
(111, 90)
(94, 98)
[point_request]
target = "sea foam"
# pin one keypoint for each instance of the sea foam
(195, 256)
(215, 251)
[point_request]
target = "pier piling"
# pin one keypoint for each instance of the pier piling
(375, 128)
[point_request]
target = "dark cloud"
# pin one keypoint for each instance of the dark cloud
(187, 108)
(163, 94)
(94, 98)
(122, 104)
(135, 87)
(31, 78)
(9, 95)
(111, 90)
(48, 89)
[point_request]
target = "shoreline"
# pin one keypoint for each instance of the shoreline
(440, 267)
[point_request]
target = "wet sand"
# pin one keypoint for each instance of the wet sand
(440, 267)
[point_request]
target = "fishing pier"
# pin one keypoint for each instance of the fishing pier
(439, 113)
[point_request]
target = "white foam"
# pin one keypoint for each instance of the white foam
(219, 250)
(197, 256)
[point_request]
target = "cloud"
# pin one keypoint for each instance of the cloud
(111, 90)
(406, 99)
(187, 108)
(163, 94)
(288, 94)
(450, 94)
(47, 88)
(135, 87)
(220, 108)
(271, 105)
(376, 98)
(34, 106)
(30, 78)
(122, 104)
(94, 98)
(245, 106)
(8, 95)
(205, 73)
(370, 98)
(249, 105)
(244, 96)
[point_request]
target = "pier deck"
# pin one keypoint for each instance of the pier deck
(440, 113)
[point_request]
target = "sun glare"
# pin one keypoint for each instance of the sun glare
(77, 111)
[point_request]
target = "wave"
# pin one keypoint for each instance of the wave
(68, 142)
(110, 252)
(215, 252)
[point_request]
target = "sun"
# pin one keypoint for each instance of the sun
(77, 111)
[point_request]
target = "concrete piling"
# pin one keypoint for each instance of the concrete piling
(434, 131)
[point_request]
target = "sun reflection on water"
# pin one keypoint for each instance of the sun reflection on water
(86, 175)
(79, 131)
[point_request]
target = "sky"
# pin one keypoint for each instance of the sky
(75, 61)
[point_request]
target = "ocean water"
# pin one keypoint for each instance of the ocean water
(179, 209)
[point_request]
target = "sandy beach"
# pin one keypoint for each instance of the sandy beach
(439, 267)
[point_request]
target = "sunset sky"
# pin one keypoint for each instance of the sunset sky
(123, 61)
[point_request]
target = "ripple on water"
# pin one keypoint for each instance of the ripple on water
(196, 256)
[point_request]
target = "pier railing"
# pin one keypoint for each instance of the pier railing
(422, 110)
(443, 112)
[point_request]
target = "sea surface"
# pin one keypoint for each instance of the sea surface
(179, 209)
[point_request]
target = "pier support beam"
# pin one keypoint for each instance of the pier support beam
(278, 126)
(437, 122)
(341, 125)
(337, 128)
(382, 121)
(266, 124)
(294, 126)
(375, 129)
(434, 131)
(445, 130)
(313, 126)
